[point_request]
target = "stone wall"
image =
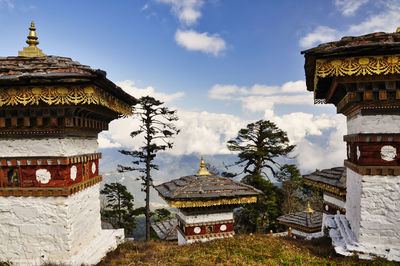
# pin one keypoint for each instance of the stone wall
(41, 229)
(353, 201)
(47, 147)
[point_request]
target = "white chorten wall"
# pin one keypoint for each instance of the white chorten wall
(63, 229)
(305, 235)
(197, 221)
(373, 201)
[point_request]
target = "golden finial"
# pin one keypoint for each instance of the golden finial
(31, 50)
(309, 207)
(203, 170)
(398, 29)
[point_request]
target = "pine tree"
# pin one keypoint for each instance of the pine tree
(158, 130)
(118, 209)
(292, 187)
(259, 145)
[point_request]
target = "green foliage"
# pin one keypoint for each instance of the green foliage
(292, 188)
(158, 129)
(119, 209)
(262, 215)
(160, 215)
(259, 144)
(256, 249)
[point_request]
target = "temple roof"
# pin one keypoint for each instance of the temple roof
(304, 220)
(45, 70)
(166, 230)
(333, 179)
(206, 189)
(196, 187)
(378, 43)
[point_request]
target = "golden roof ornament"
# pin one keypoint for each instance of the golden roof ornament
(202, 170)
(308, 209)
(31, 50)
(398, 29)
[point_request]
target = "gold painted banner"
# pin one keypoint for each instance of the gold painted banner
(62, 95)
(207, 203)
(356, 66)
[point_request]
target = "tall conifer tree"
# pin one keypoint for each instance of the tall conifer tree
(158, 129)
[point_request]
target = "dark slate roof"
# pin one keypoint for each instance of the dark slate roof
(166, 230)
(304, 219)
(197, 187)
(15, 70)
(335, 177)
(378, 43)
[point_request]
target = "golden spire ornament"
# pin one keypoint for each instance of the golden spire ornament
(202, 170)
(308, 209)
(32, 41)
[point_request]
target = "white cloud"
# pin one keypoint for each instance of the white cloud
(187, 11)
(387, 20)
(349, 7)
(128, 86)
(146, 6)
(8, 3)
(319, 35)
(204, 42)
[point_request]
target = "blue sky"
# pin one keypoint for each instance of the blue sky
(221, 64)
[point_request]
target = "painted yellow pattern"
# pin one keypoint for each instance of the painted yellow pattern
(62, 95)
(206, 203)
(356, 66)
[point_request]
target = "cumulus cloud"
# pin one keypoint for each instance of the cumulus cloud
(129, 87)
(187, 11)
(386, 20)
(349, 7)
(204, 42)
(258, 96)
(7, 3)
(319, 35)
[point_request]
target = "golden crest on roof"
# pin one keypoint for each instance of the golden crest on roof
(308, 209)
(202, 170)
(32, 41)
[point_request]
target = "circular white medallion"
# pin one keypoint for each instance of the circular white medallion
(223, 227)
(93, 168)
(197, 230)
(43, 176)
(358, 153)
(326, 207)
(73, 172)
(388, 153)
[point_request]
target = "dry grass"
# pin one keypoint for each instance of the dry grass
(256, 249)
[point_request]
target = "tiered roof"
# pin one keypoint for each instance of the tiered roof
(332, 180)
(166, 230)
(307, 221)
(205, 189)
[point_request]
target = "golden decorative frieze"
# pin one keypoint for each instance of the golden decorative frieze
(207, 203)
(62, 95)
(356, 66)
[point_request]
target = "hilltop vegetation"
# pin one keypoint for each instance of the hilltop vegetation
(257, 249)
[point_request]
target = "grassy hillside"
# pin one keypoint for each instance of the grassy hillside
(258, 249)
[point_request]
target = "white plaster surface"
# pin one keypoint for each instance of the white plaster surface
(182, 241)
(205, 218)
(34, 230)
(373, 213)
(353, 200)
(334, 201)
(373, 124)
(307, 236)
(47, 147)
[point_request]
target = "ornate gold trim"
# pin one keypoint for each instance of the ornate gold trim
(325, 187)
(62, 95)
(356, 66)
(208, 203)
(50, 191)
